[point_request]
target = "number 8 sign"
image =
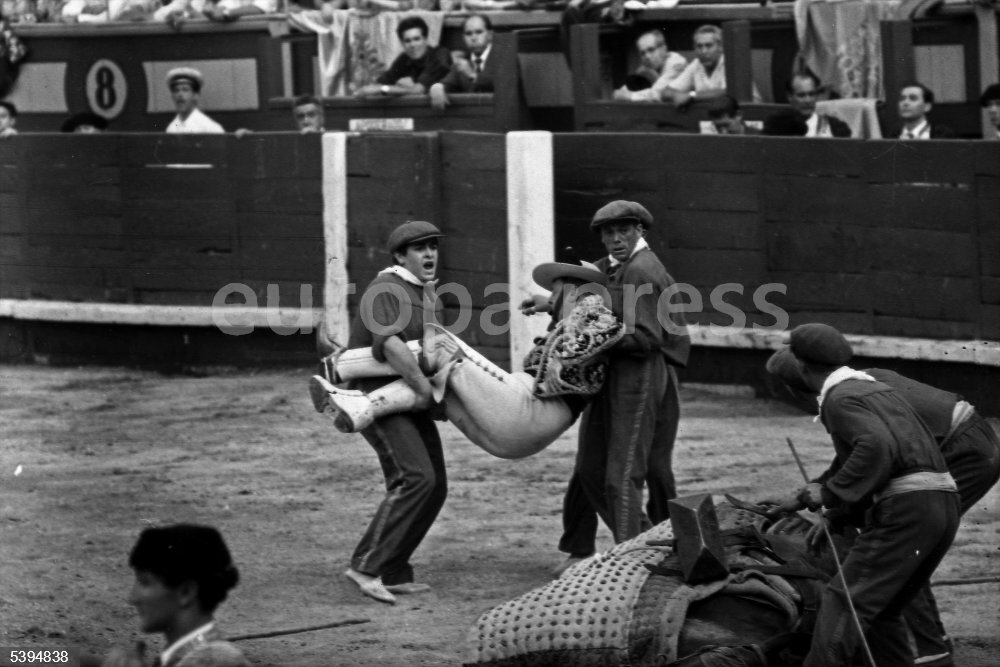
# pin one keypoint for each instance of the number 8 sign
(107, 89)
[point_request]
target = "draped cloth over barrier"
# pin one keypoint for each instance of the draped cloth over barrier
(841, 42)
(614, 610)
(355, 47)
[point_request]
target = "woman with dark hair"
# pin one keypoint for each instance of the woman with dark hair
(182, 573)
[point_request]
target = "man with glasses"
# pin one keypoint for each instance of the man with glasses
(658, 66)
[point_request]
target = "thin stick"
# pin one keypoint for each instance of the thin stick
(964, 582)
(836, 560)
(295, 631)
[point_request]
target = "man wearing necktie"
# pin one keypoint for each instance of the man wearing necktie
(472, 71)
(627, 432)
(915, 102)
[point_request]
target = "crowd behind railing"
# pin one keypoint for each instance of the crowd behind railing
(419, 67)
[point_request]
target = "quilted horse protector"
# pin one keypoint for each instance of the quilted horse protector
(630, 606)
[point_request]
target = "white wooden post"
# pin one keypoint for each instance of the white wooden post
(530, 230)
(335, 235)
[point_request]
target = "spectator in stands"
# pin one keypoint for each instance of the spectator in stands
(726, 117)
(990, 100)
(8, 119)
(308, 114)
(224, 11)
(705, 76)
(803, 92)
(473, 70)
(659, 66)
(415, 70)
(185, 89)
(84, 122)
(916, 101)
(492, 5)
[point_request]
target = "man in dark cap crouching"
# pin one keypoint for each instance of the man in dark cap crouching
(887, 462)
(392, 311)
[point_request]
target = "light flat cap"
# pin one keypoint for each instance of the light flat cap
(189, 74)
(411, 231)
(546, 274)
(820, 344)
(622, 211)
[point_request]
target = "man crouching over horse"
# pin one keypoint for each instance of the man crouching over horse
(887, 459)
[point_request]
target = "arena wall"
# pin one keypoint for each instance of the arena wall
(114, 248)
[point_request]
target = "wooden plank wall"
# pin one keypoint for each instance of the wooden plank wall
(474, 216)
(875, 237)
(160, 219)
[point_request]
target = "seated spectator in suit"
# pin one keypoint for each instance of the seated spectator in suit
(916, 101)
(308, 114)
(84, 122)
(658, 63)
(705, 76)
(990, 100)
(726, 117)
(416, 69)
(785, 124)
(8, 119)
(474, 71)
(803, 92)
(183, 573)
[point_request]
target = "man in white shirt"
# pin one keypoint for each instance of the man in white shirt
(666, 65)
(916, 101)
(705, 76)
(185, 90)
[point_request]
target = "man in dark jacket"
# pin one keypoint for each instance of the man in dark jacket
(887, 462)
(475, 71)
(627, 432)
(803, 92)
(416, 69)
(915, 102)
(971, 450)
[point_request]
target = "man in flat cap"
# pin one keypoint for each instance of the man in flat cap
(185, 90)
(627, 432)
(971, 450)
(889, 464)
(392, 311)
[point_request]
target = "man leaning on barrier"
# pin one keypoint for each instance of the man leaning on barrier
(415, 70)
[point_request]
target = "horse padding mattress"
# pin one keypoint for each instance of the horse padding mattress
(602, 612)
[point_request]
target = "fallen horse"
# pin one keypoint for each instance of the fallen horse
(642, 603)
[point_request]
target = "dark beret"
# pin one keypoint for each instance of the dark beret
(622, 211)
(84, 118)
(820, 344)
(181, 552)
(783, 365)
(991, 93)
(411, 231)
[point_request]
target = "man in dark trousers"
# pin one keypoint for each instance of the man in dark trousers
(627, 432)
(392, 311)
(888, 463)
(971, 450)
(475, 71)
